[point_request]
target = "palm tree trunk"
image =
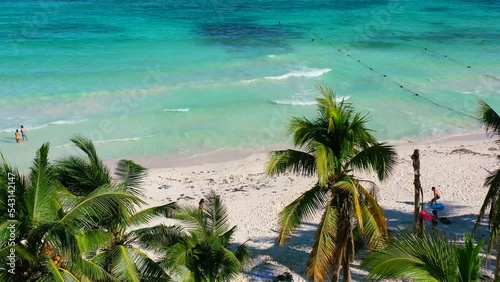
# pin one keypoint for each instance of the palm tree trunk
(497, 267)
(335, 276)
(346, 271)
(417, 219)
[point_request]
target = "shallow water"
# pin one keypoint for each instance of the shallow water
(159, 78)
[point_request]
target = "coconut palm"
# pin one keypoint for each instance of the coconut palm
(203, 254)
(333, 146)
(47, 220)
(424, 257)
(491, 121)
(114, 241)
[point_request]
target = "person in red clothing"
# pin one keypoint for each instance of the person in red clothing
(437, 195)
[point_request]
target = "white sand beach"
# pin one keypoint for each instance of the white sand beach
(457, 166)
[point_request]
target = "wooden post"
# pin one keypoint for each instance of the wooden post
(417, 219)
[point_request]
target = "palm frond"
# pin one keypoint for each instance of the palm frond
(303, 131)
(131, 175)
(489, 118)
(323, 251)
(146, 215)
(379, 157)
(148, 269)
(124, 267)
(323, 162)
(55, 273)
(374, 223)
(291, 160)
(101, 203)
(193, 218)
(82, 176)
(217, 216)
(419, 257)
(304, 206)
(490, 200)
(93, 271)
(39, 196)
(93, 239)
(158, 238)
(469, 259)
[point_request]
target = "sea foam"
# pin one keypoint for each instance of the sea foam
(301, 73)
(176, 110)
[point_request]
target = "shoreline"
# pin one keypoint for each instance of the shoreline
(234, 155)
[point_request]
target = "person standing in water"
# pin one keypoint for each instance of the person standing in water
(23, 133)
(18, 136)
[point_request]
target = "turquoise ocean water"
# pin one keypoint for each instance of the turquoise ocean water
(170, 78)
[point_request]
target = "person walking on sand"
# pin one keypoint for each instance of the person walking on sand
(437, 195)
(18, 135)
(23, 133)
(201, 204)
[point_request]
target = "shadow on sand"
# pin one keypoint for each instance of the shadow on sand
(271, 261)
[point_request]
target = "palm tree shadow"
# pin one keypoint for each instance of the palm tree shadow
(274, 260)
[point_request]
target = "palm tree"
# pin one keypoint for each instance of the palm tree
(114, 241)
(46, 221)
(333, 146)
(203, 255)
(491, 121)
(424, 257)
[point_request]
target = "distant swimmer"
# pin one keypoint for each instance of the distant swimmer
(18, 136)
(23, 133)
(279, 22)
(483, 42)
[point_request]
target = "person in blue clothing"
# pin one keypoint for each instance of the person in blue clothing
(23, 133)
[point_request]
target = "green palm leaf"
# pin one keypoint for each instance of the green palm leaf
(123, 265)
(379, 157)
(301, 208)
(39, 198)
(131, 175)
(290, 160)
(100, 202)
(489, 118)
(419, 257)
(146, 215)
(321, 258)
(158, 238)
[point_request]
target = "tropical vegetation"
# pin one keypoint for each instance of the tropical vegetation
(334, 146)
(491, 121)
(204, 251)
(425, 257)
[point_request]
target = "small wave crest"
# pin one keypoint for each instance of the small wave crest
(301, 73)
(248, 81)
(130, 139)
(57, 122)
(176, 110)
(295, 102)
(118, 140)
(298, 102)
